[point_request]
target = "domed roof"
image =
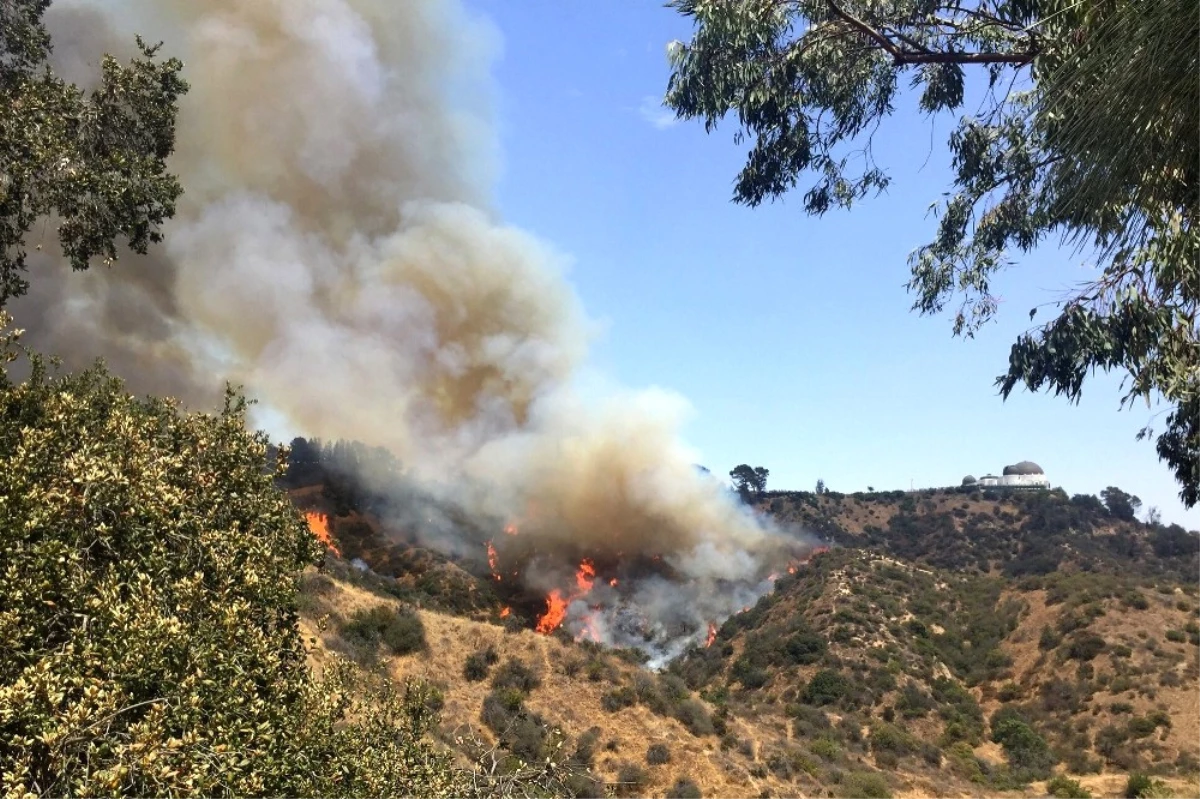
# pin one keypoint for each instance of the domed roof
(968, 480)
(1024, 467)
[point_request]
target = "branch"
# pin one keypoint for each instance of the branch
(901, 56)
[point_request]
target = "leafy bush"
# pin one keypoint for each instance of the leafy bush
(1085, 646)
(1062, 787)
(478, 664)
(1139, 786)
(1028, 753)
(865, 785)
(401, 631)
(889, 738)
(1176, 636)
(515, 674)
(148, 600)
(684, 789)
(658, 754)
(631, 779)
(618, 699)
(826, 687)
(695, 717)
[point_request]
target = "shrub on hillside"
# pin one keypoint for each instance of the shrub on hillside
(1139, 786)
(684, 789)
(400, 632)
(1062, 787)
(865, 785)
(1027, 752)
(694, 716)
(516, 674)
(631, 780)
(658, 754)
(825, 688)
(479, 663)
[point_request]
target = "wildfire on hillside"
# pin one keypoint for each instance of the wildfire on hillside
(318, 523)
(648, 600)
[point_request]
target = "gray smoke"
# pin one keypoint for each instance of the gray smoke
(335, 252)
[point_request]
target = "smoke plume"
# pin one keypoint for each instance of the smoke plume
(335, 253)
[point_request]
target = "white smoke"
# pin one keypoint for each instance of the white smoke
(336, 253)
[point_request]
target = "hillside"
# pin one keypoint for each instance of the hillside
(912, 659)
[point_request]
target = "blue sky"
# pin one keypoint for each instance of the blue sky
(791, 336)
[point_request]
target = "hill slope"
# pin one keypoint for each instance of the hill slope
(935, 652)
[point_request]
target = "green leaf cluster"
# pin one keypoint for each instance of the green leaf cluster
(94, 162)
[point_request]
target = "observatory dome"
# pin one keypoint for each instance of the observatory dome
(1024, 467)
(969, 480)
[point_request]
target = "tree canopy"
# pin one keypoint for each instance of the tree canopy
(1086, 130)
(93, 161)
(749, 479)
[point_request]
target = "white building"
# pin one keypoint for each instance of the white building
(1025, 474)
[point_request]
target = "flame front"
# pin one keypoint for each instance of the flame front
(505, 611)
(556, 603)
(586, 576)
(556, 611)
(712, 635)
(318, 523)
(493, 560)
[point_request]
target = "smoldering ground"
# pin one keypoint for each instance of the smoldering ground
(337, 254)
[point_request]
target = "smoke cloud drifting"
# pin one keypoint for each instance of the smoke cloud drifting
(336, 254)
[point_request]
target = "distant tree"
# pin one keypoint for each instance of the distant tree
(749, 480)
(1153, 517)
(760, 478)
(91, 163)
(820, 487)
(1120, 504)
(870, 489)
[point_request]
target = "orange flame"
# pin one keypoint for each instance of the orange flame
(791, 569)
(318, 523)
(556, 603)
(493, 559)
(613, 582)
(586, 576)
(510, 528)
(712, 635)
(556, 611)
(505, 611)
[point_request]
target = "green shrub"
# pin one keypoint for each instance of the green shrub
(148, 612)
(889, 738)
(1085, 646)
(401, 631)
(516, 674)
(478, 664)
(865, 785)
(694, 716)
(631, 779)
(1176, 636)
(1062, 787)
(658, 754)
(1028, 753)
(826, 748)
(826, 687)
(1138, 786)
(585, 747)
(618, 699)
(684, 789)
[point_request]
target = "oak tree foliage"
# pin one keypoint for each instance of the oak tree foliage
(1077, 122)
(148, 605)
(90, 164)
